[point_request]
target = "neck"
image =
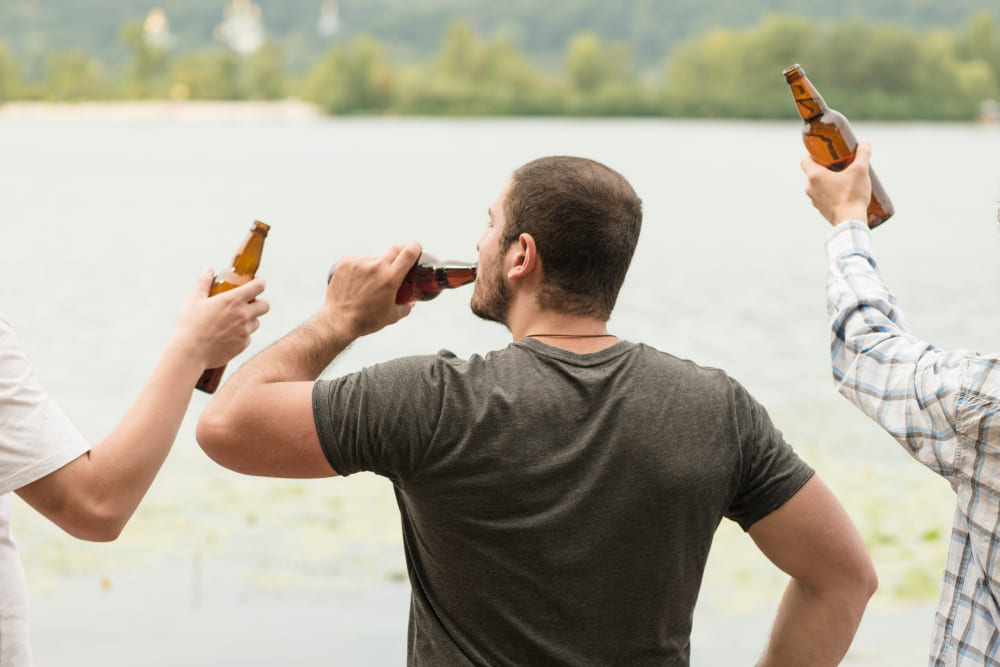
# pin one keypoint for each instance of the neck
(569, 332)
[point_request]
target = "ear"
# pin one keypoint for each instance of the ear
(524, 255)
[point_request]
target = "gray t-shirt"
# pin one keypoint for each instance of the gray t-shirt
(557, 508)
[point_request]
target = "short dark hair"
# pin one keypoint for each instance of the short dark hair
(585, 219)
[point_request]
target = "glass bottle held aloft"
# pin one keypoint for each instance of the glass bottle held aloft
(244, 268)
(830, 140)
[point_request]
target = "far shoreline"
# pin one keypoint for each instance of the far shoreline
(294, 109)
(290, 109)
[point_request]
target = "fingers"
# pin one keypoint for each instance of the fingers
(864, 154)
(204, 281)
(809, 165)
(249, 291)
(259, 307)
(840, 195)
(402, 257)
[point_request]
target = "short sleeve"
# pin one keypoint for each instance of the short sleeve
(770, 471)
(381, 418)
(36, 437)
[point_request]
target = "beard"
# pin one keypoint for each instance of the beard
(491, 296)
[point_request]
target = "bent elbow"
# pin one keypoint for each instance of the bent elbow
(103, 532)
(863, 576)
(859, 584)
(96, 524)
(869, 581)
(216, 439)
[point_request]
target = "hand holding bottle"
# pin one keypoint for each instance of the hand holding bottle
(243, 269)
(840, 195)
(214, 330)
(361, 293)
(830, 140)
(428, 277)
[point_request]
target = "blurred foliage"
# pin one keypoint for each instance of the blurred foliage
(352, 79)
(147, 73)
(867, 70)
(74, 76)
(208, 74)
(411, 30)
(266, 74)
(9, 80)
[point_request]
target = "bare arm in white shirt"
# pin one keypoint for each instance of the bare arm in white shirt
(93, 496)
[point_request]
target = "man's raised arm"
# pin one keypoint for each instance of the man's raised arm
(261, 420)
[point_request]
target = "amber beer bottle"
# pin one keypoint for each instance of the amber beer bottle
(244, 268)
(428, 277)
(830, 141)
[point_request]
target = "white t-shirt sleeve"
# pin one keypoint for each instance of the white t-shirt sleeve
(36, 437)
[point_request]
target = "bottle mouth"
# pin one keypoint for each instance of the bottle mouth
(792, 69)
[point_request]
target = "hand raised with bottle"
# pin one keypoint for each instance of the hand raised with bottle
(840, 195)
(361, 294)
(214, 330)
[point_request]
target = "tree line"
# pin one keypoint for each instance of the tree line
(868, 70)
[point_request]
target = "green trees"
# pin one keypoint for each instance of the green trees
(147, 70)
(266, 78)
(222, 74)
(208, 74)
(351, 79)
(601, 79)
(471, 76)
(981, 43)
(467, 76)
(868, 70)
(73, 76)
(9, 81)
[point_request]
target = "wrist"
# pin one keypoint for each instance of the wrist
(185, 355)
(333, 333)
(847, 213)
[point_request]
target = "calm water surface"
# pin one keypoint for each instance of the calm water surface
(106, 225)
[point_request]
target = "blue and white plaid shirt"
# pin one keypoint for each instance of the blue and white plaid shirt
(944, 408)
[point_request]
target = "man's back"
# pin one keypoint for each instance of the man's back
(557, 507)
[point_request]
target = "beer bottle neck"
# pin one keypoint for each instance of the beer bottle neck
(261, 228)
(807, 99)
(247, 259)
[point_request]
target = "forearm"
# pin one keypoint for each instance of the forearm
(261, 421)
(94, 495)
(300, 356)
(280, 441)
(907, 385)
(812, 538)
(866, 327)
(814, 628)
(854, 280)
(107, 484)
(360, 300)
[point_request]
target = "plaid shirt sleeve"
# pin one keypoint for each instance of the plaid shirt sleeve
(944, 408)
(908, 386)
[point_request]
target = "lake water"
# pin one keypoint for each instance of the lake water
(105, 226)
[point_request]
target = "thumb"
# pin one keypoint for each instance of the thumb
(864, 153)
(809, 165)
(204, 282)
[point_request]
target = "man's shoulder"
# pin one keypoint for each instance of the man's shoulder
(637, 358)
(682, 365)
